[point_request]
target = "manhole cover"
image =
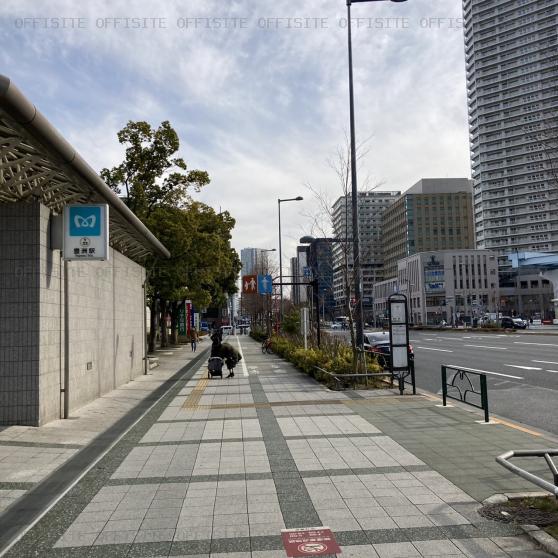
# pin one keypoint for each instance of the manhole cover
(517, 511)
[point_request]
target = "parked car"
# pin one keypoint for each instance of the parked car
(513, 323)
(377, 343)
(336, 325)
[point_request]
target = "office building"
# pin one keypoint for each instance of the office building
(371, 206)
(452, 286)
(250, 258)
(434, 214)
(320, 261)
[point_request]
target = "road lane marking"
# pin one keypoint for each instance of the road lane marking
(552, 371)
(487, 372)
(523, 367)
(486, 347)
(540, 344)
(243, 361)
(431, 349)
(545, 361)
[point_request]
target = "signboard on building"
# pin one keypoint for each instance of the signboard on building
(189, 317)
(434, 280)
(86, 232)
(313, 541)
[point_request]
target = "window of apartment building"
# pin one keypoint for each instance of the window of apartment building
(523, 284)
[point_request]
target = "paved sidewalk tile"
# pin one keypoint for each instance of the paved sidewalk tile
(219, 467)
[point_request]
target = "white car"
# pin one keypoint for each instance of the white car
(227, 330)
(336, 325)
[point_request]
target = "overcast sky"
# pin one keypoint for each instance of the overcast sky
(258, 101)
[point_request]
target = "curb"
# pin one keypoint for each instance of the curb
(541, 537)
(548, 542)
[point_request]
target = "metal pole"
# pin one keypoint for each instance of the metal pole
(66, 342)
(280, 270)
(145, 359)
(357, 272)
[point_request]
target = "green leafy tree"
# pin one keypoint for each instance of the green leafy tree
(156, 185)
(151, 175)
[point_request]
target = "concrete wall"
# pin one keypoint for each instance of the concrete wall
(19, 314)
(106, 308)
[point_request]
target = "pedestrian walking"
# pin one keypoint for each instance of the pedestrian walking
(194, 340)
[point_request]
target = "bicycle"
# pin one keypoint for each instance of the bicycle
(266, 346)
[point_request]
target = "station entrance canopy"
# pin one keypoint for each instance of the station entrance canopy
(38, 164)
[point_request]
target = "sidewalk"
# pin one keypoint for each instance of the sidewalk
(218, 467)
(28, 454)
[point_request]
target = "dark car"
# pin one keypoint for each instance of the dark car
(513, 323)
(377, 343)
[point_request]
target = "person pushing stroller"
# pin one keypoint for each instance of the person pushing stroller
(231, 357)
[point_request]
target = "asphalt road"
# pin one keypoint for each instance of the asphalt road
(521, 369)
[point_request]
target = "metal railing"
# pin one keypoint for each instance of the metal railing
(341, 380)
(462, 384)
(546, 453)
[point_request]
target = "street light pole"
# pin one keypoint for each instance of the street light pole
(357, 270)
(357, 267)
(279, 202)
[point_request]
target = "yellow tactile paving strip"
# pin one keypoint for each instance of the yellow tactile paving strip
(194, 398)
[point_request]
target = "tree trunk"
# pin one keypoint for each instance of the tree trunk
(164, 330)
(152, 325)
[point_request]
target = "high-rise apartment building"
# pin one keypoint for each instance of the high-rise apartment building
(371, 206)
(253, 260)
(511, 49)
(434, 214)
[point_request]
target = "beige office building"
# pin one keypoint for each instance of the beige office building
(455, 286)
(434, 214)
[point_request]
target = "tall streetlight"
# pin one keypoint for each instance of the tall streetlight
(357, 269)
(279, 202)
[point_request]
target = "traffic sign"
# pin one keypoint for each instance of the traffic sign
(313, 541)
(265, 284)
(249, 284)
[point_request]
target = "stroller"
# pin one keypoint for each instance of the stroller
(215, 367)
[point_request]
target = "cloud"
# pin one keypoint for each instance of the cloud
(261, 104)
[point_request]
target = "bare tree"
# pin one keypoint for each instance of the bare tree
(323, 225)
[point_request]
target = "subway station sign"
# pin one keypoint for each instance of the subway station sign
(86, 232)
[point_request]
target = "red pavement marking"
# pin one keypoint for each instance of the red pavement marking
(313, 541)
